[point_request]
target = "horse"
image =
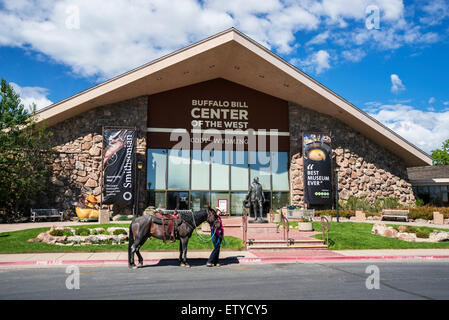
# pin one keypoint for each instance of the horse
(142, 228)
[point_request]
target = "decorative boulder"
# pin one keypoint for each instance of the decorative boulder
(379, 229)
(438, 236)
(391, 233)
(406, 236)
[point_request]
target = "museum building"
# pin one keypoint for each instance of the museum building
(212, 116)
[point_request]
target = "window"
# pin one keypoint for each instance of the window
(239, 170)
(215, 196)
(156, 199)
(279, 199)
(279, 168)
(156, 168)
(177, 200)
(195, 179)
(259, 164)
(200, 170)
(237, 202)
(199, 200)
(220, 170)
(178, 169)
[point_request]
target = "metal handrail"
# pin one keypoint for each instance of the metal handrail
(245, 227)
(324, 219)
(285, 224)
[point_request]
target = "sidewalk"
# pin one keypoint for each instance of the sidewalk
(227, 256)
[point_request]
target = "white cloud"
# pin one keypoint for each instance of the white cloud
(354, 55)
(446, 103)
(317, 62)
(426, 129)
(435, 12)
(30, 95)
(396, 84)
(112, 39)
(431, 100)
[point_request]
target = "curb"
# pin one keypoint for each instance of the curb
(240, 260)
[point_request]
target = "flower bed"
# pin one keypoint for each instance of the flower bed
(64, 236)
(409, 233)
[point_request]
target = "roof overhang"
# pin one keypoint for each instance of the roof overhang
(233, 56)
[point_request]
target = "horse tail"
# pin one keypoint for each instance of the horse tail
(131, 236)
(130, 244)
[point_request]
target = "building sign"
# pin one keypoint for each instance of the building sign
(119, 146)
(217, 111)
(317, 152)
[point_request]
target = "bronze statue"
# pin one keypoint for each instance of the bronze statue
(255, 199)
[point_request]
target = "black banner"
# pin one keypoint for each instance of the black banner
(317, 153)
(119, 147)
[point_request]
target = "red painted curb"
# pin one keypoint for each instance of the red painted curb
(241, 260)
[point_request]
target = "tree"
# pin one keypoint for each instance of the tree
(24, 154)
(441, 156)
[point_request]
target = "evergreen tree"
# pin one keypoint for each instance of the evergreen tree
(24, 154)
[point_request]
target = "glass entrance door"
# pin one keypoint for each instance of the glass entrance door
(177, 200)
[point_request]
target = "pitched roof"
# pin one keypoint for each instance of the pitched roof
(234, 56)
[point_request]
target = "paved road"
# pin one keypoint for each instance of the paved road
(399, 280)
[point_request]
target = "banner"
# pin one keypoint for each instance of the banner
(317, 153)
(119, 147)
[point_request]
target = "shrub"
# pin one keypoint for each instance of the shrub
(57, 233)
(410, 229)
(124, 218)
(119, 231)
(355, 203)
(422, 234)
(333, 213)
(419, 202)
(82, 232)
(68, 232)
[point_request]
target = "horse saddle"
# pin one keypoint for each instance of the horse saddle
(172, 221)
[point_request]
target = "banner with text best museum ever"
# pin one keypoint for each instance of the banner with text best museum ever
(317, 153)
(119, 147)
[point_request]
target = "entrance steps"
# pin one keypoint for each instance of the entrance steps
(253, 244)
(269, 237)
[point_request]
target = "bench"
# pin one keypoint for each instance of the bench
(46, 213)
(398, 214)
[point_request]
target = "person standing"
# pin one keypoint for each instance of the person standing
(217, 238)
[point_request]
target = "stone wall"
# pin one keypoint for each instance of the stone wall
(78, 144)
(366, 169)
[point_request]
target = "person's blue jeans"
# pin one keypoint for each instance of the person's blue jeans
(216, 252)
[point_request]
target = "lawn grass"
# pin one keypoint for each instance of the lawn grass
(16, 242)
(352, 235)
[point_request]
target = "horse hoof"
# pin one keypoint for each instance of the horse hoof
(182, 264)
(132, 266)
(140, 265)
(187, 265)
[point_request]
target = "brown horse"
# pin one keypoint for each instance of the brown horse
(142, 228)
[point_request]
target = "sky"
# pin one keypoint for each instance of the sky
(387, 57)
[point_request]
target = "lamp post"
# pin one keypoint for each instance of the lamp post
(337, 168)
(139, 168)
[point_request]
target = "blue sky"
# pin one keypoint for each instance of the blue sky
(387, 57)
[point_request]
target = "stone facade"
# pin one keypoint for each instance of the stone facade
(366, 169)
(78, 144)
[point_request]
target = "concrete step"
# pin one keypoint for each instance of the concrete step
(277, 241)
(266, 244)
